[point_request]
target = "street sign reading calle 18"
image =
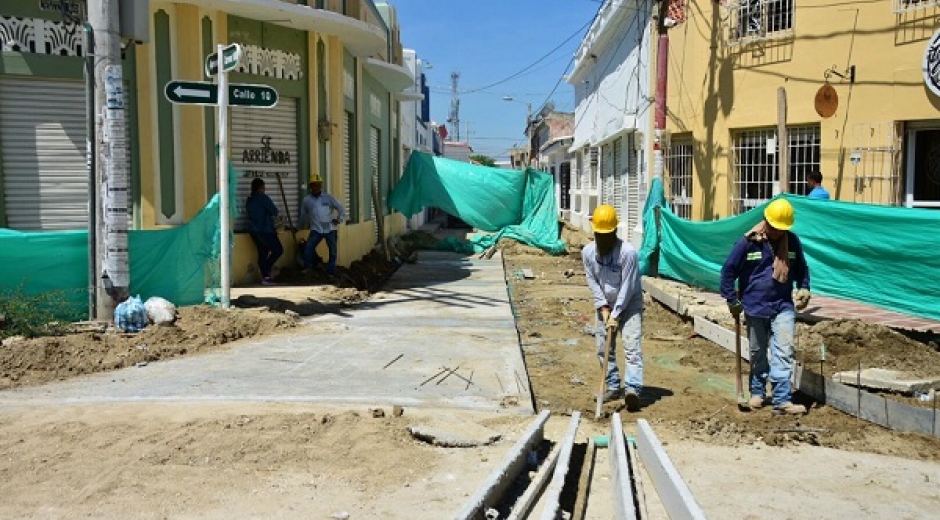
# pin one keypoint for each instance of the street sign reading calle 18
(204, 93)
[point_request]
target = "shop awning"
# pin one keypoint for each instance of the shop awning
(393, 77)
(362, 40)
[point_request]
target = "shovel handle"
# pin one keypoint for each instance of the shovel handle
(737, 354)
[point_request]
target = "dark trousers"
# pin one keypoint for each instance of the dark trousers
(311, 258)
(269, 250)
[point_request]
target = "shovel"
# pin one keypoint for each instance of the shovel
(298, 249)
(742, 400)
(608, 345)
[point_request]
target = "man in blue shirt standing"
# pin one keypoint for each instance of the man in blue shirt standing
(766, 263)
(816, 190)
(316, 212)
(261, 213)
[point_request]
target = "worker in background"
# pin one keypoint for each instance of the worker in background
(613, 275)
(261, 214)
(766, 263)
(816, 190)
(317, 213)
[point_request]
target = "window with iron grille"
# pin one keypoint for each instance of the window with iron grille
(760, 19)
(906, 6)
(679, 177)
(755, 164)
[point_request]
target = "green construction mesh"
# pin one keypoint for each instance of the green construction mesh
(180, 264)
(507, 203)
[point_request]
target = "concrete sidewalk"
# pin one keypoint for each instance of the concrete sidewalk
(447, 311)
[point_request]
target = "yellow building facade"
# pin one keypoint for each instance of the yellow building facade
(336, 116)
(845, 79)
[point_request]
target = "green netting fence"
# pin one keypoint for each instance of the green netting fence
(506, 203)
(180, 264)
(881, 255)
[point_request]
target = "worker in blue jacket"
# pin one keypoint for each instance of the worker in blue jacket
(261, 215)
(766, 263)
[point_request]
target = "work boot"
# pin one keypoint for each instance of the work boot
(612, 394)
(789, 408)
(756, 402)
(632, 400)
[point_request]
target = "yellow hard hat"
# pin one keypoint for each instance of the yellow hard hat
(779, 214)
(604, 219)
(315, 178)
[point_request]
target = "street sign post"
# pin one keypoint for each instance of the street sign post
(222, 95)
(231, 55)
(205, 93)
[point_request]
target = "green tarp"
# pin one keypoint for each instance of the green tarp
(180, 264)
(507, 203)
(880, 255)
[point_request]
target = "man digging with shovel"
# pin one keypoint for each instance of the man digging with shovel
(613, 275)
(765, 263)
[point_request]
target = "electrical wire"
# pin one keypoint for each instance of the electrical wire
(536, 62)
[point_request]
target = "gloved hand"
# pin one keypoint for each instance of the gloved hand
(611, 322)
(736, 307)
(802, 299)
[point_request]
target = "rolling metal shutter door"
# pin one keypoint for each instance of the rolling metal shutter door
(607, 175)
(633, 183)
(373, 166)
(264, 144)
(619, 180)
(43, 143)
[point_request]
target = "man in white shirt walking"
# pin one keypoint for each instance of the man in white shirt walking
(317, 213)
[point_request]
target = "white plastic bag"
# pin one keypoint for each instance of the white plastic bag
(160, 311)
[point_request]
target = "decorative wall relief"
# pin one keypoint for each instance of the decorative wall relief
(270, 63)
(38, 36)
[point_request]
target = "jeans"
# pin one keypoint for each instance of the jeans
(269, 250)
(776, 336)
(631, 330)
(313, 240)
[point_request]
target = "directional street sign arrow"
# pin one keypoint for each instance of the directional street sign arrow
(260, 96)
(204, 93)
(231, 55)
(192, 92)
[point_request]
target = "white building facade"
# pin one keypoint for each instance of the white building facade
(415, 119)
(613, 105)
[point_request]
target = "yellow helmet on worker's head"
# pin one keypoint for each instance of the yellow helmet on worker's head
(315, 178)
(779, 214)
(604, 219)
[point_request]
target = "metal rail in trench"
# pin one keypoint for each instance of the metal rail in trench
(500, 493)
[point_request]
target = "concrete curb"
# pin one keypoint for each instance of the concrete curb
(505, 473)
(553, 495)
(673, 491)
(624, 506)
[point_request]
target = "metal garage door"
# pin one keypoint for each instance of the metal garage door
(264, 144)
(43, 144)
(348, 161)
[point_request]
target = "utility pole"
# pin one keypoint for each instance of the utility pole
(112, 176)
(662, 76)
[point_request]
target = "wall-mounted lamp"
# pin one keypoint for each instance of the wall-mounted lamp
(849, 73)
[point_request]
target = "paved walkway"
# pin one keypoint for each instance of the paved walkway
(447, 311)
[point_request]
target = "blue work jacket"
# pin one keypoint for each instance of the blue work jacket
(751, 265)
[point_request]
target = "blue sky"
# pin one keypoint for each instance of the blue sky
(487, 41)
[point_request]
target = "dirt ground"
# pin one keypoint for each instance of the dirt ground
(263, 460)
(689, 382)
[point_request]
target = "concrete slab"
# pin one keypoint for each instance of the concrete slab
(447, 311)
(884, 379)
